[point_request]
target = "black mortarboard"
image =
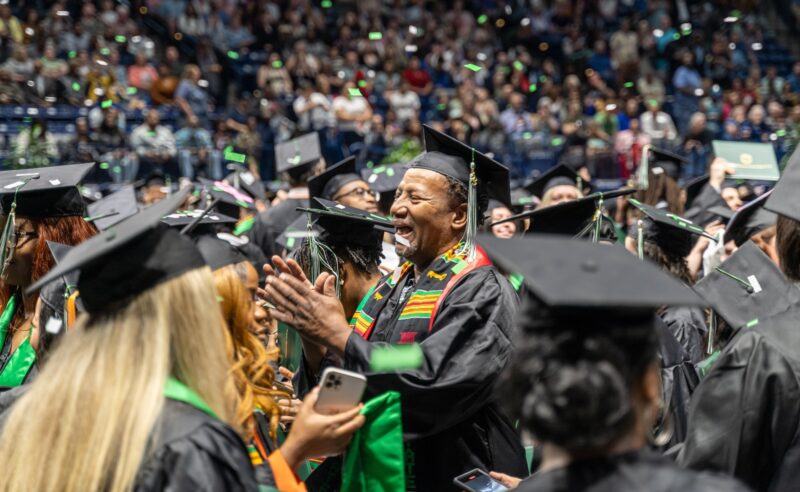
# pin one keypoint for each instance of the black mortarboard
(693, 189)
(722, 212)
(351, 224)
(747, 286)
(326, 184)
(384, 179)
(59, 251)
(227, 194)
(669, 231)
(749, 220)
(112, 209)
(44, 191)
(785, 199)
(296, 155)
(670, 162)
(182, 218)
(218, 253)
(129, 258)
(573, 275)
(243, 179)
(292, 237)
(521, 199)
(555, 176)
(446, 155)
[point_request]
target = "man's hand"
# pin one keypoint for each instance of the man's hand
(507, 480)
(315, 311)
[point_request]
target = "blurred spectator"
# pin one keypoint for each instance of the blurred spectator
(515, 119)
(404, 102)
(628, 146)
(190, 97)
(194, 146)
(313, 108)
(650, 87)
(417, 77)
(20, 67)
(794, 78)
(625, 52)
(81, 147)
(10, 26)
(142, 74)
(688, 89)
(154, 145)
(697, 144)
(273, 78)
(658, 124)
(353, 114)
(10, 90)
(191, 24)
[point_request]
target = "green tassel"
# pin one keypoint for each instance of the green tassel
(8, 229)
(471, 232)
(320, 257)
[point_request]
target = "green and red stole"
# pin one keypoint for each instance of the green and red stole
(415, 321)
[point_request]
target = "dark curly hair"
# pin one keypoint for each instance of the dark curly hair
(669, 262)
(459, 194)
(788, 245)
(570, 378)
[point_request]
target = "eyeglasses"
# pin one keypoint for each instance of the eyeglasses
(18, 238)
(359, 192)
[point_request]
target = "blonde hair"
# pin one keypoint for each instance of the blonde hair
(547, 199)
(252, 373)
(94, 406)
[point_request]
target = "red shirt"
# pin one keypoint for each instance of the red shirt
(417, 78)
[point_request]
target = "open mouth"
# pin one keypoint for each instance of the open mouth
(403, 234)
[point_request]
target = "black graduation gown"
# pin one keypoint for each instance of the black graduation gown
(450, 419)
(688, 326)
(678, 381)
(745, 414)
(271, 223)
(192, 451)
(636, 471)
(707, 198)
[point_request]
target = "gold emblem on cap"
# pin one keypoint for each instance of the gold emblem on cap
(746, 158)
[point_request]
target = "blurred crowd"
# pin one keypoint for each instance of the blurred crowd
(178, 85)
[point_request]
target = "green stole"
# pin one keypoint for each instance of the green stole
(21, 361)
(176, 390)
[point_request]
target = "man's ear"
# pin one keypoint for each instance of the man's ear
(459, 221)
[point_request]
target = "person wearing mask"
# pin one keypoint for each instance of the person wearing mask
(584, 380)
(448, 298)
(744, 419)
(38, 206)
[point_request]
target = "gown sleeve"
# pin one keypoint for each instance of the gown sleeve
(743, 417)
(469, 345)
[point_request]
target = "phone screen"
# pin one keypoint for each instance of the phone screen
(478, 482)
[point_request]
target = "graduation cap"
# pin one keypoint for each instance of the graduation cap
(182, 218)
(350, 224)
(242, 179)
(749, 220)
(58, 251)
(296, 155)
(292, 237)
(784, 199)
(112, 209)
(558, 175)
(722, 211)
(129, 258)
(520, 199)
(693, 189)
(218, 253)
(44, 191)
(670, 162)
(453, 159)
(574, 218)
(747, 286)
(384, 179)
(225, 193)
(326, 184)
(669, 231)
(571, 276)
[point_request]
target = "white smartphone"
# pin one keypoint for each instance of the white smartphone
(478, 480)
(340, 390)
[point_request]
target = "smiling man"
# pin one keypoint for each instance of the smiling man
(447, 297)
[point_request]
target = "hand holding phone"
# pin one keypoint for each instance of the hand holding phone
(478, 480)
(340, 390)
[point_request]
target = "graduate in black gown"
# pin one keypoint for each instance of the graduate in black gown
(300, 159)
(744, 418)
(449, 299)
(584, 379)
(141, 379)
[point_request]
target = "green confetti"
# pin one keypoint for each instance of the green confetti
(527, 135)
(556, 141)
(233, 55)
(104, 165)
(473, 67)
(72, 54)
(519, 66)
(354, 92)
(542, 78)
(392, 358)
(525, 200)
(686, 31)
(236, 157)
(751, 323)
(290, 242)
(120, 39)
(781, 133)
(441, 107)
(390, 172)
(132, 90)
(676, 36)
(628, 85)
(532, 88)
(105, 51)
(116, 170)
(277, 64)
(362, 83)
(483, 18)
(375, 36)
(106, 104)
(326, 4)
(76, 86)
